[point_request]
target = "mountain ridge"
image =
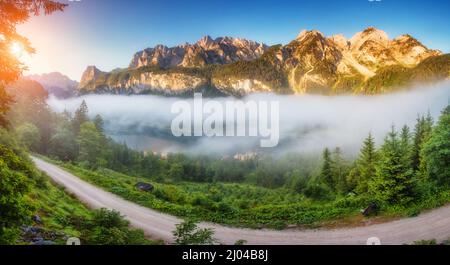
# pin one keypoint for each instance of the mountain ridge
(205, 51)
(56, 84)
(311, 63)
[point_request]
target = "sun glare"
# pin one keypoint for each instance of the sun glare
(17, 49)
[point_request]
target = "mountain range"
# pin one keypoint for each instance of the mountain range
(206, 51)
(367, 63)
(56, 84)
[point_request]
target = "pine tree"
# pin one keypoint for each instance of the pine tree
(429, 122)
(422, 132)
(80, 117)
(405, 141)
(393, 176)
(326, 174)
(339, 169)
(98, 121)
(436, 151)
(91, 143)
(417, 142)
(365, 166)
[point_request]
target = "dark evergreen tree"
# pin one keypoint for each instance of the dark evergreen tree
(364, 171)
(91, 146)
(436, 151)
(405, 141)
(63, 144)
(429, 122)
(417, 142)
(80, 117)
(422, 132)
(98, 121)
(393, 182)
(326, 174)
(339, 169)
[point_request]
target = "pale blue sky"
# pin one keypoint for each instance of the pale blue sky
(107, 33)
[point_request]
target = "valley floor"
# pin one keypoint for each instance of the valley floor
(434, 224)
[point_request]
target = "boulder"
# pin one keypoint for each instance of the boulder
(37, 219)
(369, 210)
(32, 230)
(42, 242)
(144, 186)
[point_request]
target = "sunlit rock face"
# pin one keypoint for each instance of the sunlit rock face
(317, 63)
(205, 51)
(163, 83)
(241, 86)
(367, 63)
(89, 78)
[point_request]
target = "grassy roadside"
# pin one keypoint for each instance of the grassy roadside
(238, 205)
(244, 205)
(55, 208)
(60, 215)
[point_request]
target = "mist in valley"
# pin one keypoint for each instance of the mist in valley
(308, 123)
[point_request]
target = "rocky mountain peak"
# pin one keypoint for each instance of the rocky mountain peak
(304, 34)
(89, 75)
(56, 84)
(341, 41)
(410, 51)
(405, 38)
(160, 47)
(222, 50)
(206, 42)
(311, 41)
(53, 79)
(407, 41)
(311, 63)
(370, 34)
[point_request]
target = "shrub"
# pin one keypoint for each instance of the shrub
(110, 228)
(14, 185)
(188, 233)
(318, 191)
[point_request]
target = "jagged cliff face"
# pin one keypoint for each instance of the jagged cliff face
(310, 60)
(373, 49)
(89, 78)
(94, 80)
(316, 63)
(241, 87)
(206, 51)
(312, 63)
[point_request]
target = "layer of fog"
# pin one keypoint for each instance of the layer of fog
(307, 122)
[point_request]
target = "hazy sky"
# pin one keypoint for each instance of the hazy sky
(107, 33)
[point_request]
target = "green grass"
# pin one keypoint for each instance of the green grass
(231, 204)
(57, 208)
(245, 205)
(61, 214)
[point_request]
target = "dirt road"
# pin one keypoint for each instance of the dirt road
(430, 225)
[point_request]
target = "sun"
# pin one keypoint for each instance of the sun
(17, 49)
